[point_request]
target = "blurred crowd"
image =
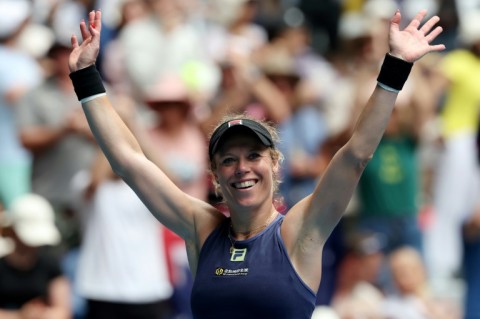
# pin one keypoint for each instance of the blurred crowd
(76, 241)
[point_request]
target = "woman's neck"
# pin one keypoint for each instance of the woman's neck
(247, 227)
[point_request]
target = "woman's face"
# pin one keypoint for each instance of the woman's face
(245, 171)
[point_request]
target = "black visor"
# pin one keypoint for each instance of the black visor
(259, 130)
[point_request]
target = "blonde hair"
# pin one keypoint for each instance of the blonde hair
(275, 154)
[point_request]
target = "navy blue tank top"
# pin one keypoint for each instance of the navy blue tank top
(255, 280)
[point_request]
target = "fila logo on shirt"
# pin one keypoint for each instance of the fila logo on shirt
(238, 254)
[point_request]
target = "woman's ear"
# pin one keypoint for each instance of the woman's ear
(214, 174)
(275, 166)
(214, 177)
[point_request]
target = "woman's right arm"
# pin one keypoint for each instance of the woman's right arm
(190, 218)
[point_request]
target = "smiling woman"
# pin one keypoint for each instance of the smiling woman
(244, 126)
(256, 263)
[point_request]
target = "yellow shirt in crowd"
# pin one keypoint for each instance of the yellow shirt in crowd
(461, 109)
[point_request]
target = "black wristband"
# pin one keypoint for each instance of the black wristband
(87, 82)
(394, 72)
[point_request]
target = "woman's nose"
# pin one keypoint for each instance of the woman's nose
(242, 167)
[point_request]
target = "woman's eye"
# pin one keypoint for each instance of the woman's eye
(227, 161)
(253, 156)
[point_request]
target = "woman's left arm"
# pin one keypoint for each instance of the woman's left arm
(309, 223)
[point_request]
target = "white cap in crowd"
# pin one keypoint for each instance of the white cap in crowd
(380, 9)
(33, 220)
(14, 13)
(469, 31)
(354, 25)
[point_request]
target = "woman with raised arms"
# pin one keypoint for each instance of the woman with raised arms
(256, 263)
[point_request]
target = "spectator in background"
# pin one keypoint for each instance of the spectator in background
(323, 17)
(413, 298)
(449, 15)
(390, 187)
(31, 282)
(232, 29)
(269, 13)
(293, 36)
(177, 138)
(18, 72)
(174, 43)
(456, 184)
(113, 61)
(389, 191)
(122, 269)
(54, 129)
(303, 128)
(176, 134)
(244, 88)
(356, 293)
(351, 59)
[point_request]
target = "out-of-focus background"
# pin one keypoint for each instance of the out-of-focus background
(76, 242)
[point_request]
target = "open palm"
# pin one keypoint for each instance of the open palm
(85, 54)
(414, 41)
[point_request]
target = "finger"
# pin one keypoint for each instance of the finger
(95, 19)
(95, 25)
(98, 20)
(94, 31)
(395, 21)
(91, 18)
(432, 35)
(84, 31)
(415, 23)
(429, 24)
(437, 47)
(74, 41)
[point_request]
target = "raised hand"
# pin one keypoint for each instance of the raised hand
(414, 41)
(85, 54)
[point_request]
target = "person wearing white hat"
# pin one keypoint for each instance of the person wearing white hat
(31, 282)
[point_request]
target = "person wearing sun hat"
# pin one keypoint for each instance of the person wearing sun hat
(31, 280)
(178, 140)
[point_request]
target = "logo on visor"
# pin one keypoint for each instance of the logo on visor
(235, 122)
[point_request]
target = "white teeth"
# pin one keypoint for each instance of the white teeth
(244, 184)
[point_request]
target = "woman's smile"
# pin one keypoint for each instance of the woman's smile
(244, 184)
